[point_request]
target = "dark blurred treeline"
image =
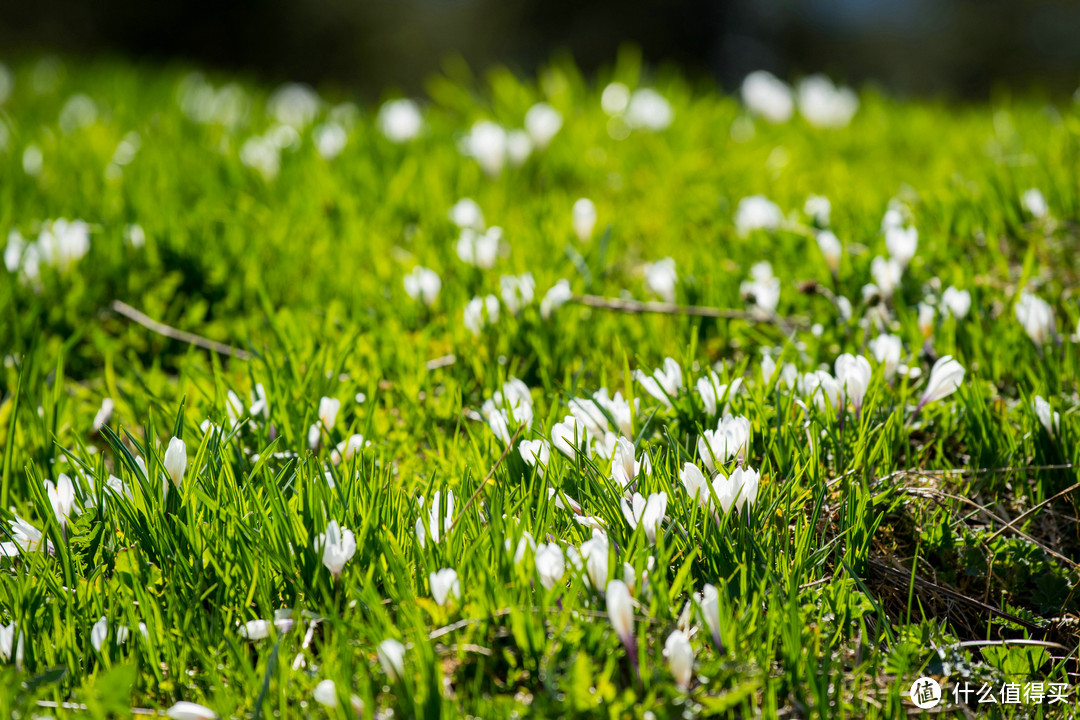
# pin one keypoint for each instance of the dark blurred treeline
(960, 48)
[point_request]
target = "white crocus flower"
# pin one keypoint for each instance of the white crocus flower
(819, 209)
(542, 122)
(731, 439)
(517, 291)
(514, 398)
(594, 413)
(101, 419)
(1037, 317)
(570, 437)
(445, 585)
(1034, 202)
(697, 487)
(887, 349)
(550, 564)
(763, 289)
(190, 711)
(392, 658)
(902, 243)
(584, 218)
(624, 466)
(1049, 419)
(499, 423)
(63, 242)
(400, 120)
(957, 301)
(661, 278)
(709, 602)
(480, 249)
(337, 546)
(615, 98)
(594, 553)
(328, 411)
(487, 144)
(927, 314)
(665, 383)
(61, 497)
(11, 647)
(99, 632)
(438, 523)
(680, 657)
(536, 453)
(325, 693)
(757, 212)
(768, 369)
(649, 110)
(233, 407)
(347, 449)
(259, 403)
(945, 377)
(824, 105)
(620, 608)
(423, 284)
(853, 373)
(559, 294)
(648, 513)
(559, 497)
(830, 248)
(712, 390)
(25, 538)
(467, 214)
(254, 630)
(519, 147)
(823, 389)
(886, 273)
(330, 139)
(737, 490)
(768, 96)
(481, 311)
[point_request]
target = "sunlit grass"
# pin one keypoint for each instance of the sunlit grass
(878, 540)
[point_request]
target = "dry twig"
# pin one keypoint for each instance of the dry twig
(182, 335)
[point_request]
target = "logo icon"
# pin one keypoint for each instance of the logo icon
(925, 693)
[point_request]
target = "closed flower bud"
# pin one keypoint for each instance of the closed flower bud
(680, 657)
(176, 461)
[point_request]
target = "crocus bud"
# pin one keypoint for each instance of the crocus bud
(853, 373)
(680, 657)
(392, 657)
(1049, 419)
(99, 633)
(620, 608)
(584, 216)
(325, 693)
(176, 461)
(709, 601)
(550, 564)
(62, 497)
(957, 301)
(830, 248)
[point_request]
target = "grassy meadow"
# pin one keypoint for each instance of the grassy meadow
(695, 447)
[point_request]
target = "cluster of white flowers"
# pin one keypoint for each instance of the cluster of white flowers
(641, 109)
(494, 147)
(822, 103)
(60, 244)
